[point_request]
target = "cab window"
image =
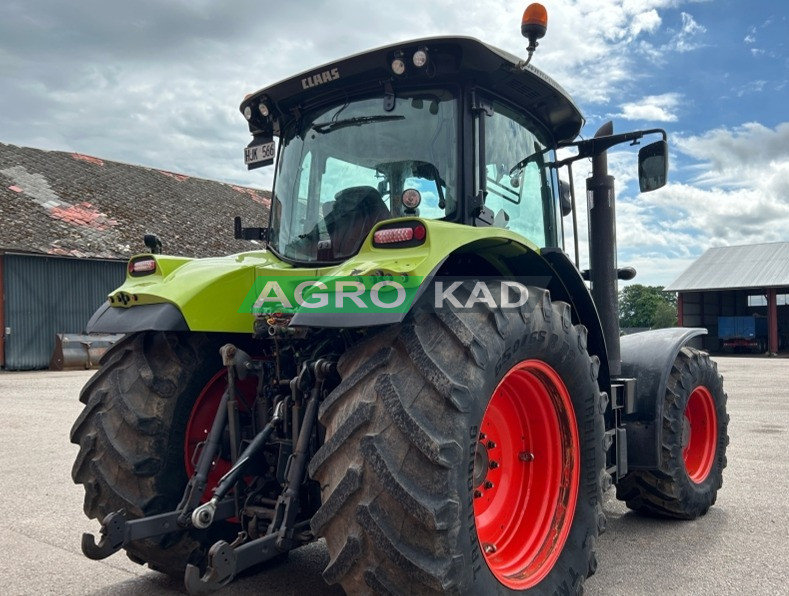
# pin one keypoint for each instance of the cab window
(521, 201)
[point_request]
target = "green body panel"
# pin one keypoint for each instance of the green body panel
(209, 292)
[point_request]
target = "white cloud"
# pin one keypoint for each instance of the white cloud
(740, 196)
(652, 108)
(647, 22)
(159, 84)
(751, 87)
(686, 39)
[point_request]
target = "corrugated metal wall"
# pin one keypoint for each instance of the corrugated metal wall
(49, 295)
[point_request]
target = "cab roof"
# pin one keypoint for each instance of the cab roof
(450, 60)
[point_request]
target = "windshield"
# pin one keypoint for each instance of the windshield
(345, 168)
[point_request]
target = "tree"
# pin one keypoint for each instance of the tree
(665, 316)
(647, 306)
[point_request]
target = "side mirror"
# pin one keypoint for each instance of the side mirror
(565, 202)
(653, 166)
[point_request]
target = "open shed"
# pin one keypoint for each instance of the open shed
(737, 281)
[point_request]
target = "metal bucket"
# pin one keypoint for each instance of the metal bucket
(78, 351)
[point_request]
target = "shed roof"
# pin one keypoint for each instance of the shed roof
(736, 267)
(77, 205)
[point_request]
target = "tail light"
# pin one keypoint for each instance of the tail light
(400, 235)
(140, 266)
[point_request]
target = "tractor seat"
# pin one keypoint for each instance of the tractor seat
(354, 213)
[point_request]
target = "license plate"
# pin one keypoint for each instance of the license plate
(259, 153)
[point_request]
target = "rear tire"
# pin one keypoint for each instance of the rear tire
(693, 453)
(400, 465)
(131, 436)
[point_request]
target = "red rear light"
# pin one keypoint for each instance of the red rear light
(393, 235)
(143, 266)
(400, 235)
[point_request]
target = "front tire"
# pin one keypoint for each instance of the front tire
(411, 500)
(693, 451)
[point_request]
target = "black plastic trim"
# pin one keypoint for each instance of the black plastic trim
(143, 317)
(345, 319)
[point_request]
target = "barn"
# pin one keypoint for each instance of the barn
(70, 223)
(749, 281)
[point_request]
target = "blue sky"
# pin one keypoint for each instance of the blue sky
(158, 83)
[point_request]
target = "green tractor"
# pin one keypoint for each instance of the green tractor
(412, 368)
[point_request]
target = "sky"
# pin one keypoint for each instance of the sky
(158, 83)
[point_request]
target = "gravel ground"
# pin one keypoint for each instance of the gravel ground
(740, 546)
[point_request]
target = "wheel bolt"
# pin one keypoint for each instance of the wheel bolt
(493, 465)
(491, 445)
(525, 456)
(489, 549)
(488, 484)
(482, 436)
(477, 494)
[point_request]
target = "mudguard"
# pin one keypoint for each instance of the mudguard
(147, 317)
(213, 294)
(648, 357)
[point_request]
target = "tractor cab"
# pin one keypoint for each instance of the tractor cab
(430, 129)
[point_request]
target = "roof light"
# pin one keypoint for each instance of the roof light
(411, 198)
(142, 266)
(264, 111)
(534, 23)
(420, 57)
(247, 112)
(398, 66)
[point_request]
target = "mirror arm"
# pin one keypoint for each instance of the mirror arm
(595, 146)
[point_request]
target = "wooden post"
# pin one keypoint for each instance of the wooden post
(680, 321)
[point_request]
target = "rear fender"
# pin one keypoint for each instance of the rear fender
(648, 358)
(502, 254)
(145, 317)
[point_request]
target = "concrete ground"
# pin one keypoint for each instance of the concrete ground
(740, 546)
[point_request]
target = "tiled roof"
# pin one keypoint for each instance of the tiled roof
(729, 267)
(72, 204)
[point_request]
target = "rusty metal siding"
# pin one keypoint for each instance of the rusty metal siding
(47, 295)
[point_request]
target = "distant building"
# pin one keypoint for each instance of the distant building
(738, 281)
(70, 222)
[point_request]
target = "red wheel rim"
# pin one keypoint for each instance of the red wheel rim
(526, 474)
(201, 419)
(700, 434)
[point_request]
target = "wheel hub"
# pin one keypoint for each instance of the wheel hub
(481, 463)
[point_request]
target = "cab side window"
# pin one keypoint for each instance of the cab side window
(521, 202)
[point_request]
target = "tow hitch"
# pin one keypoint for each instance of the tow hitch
(225, 560)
